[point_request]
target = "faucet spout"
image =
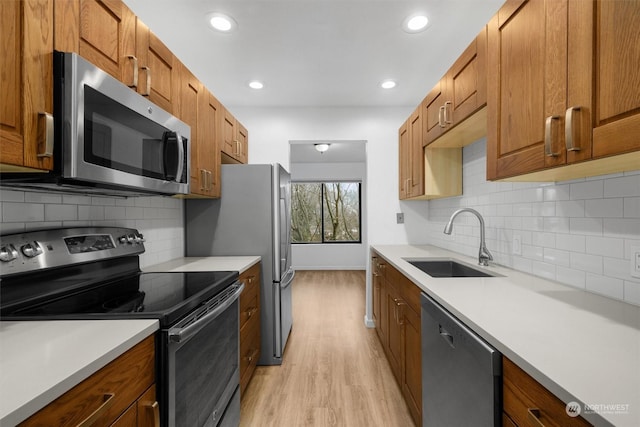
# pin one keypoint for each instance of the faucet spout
(484, 256)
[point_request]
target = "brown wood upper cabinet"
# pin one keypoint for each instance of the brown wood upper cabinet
(411, 157)
(563, 88)
(101, 31)
(458, 95)
(27, 61)
(234, 140)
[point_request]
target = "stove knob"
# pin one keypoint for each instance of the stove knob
(8, 253)
(131, 239)
(139, 238)
(31, 250)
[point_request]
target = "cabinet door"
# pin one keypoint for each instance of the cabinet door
(527, 42)
(27, 43)
(375, 296)
(228, 131)
(158, 70)
(467, 81)
(416, 156)
(191, 92)
(412, 371)
(242, 140)
(395, 307)
(617, 55)
(433, 110)
(208, 150)
(404, 166)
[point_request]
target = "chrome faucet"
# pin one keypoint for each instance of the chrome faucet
(484, 256)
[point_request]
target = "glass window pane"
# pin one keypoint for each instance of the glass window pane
(306, 213)
(341, 208)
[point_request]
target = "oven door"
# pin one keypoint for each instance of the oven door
(110, 134)
(201, 375)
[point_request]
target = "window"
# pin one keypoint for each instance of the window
(325, 212)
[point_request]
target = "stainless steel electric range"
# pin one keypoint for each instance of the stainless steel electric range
(94, 273)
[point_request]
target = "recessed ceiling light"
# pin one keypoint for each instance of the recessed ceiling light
(388, 84)
(322, 147)
(222, 22)
(415, 23)
(255, 84)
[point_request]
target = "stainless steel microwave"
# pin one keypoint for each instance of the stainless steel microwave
(108, 139)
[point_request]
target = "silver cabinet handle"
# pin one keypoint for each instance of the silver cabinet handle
(568, 129)
(147, 91)
(45, 134)
(108, 400)
(155, 408)
(134, 81)
(441, 121)
(447, 119)
(533, 414)
(548, 136)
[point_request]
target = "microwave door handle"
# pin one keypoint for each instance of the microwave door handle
(173, 172)
(180, 167)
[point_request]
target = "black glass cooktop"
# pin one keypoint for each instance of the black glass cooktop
(103, 293)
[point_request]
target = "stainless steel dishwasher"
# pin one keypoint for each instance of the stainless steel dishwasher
(461, 373)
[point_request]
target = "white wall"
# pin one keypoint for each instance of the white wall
(336, 256)
(271, 129)
(159, 219)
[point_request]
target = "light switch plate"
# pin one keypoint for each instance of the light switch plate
(400, 218)
(635, 261)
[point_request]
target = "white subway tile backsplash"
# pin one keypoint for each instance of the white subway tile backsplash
(160, 219)
(60, 212)
(605, 246)
(613, 288)
(22, 212)
(43, 197)
(626, 186)
(604, 208)
(632, 207)
(577, 232)
(587, 190)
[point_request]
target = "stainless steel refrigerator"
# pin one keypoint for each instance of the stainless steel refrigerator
(252, 217)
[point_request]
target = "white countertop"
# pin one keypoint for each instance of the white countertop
(40, 361)
(581, 346)
(212, 263)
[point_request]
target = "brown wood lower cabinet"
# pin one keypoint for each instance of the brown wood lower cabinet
(526, 402)
(396, 302)
(121, 394)
(249, 325)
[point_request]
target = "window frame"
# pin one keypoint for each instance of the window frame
(322, 206)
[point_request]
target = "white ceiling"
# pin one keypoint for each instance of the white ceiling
(318, 53)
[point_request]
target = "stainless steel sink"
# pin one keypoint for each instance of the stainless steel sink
(448, 268)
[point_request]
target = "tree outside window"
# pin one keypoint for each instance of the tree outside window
(327, 212)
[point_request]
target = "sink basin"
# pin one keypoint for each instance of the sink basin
(448, 268)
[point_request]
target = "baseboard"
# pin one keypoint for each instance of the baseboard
(336, 268)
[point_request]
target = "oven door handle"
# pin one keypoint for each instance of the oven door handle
(178, 335)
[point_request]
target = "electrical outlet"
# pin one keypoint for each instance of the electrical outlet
(635, 261)
(516, 247)
(400, 218)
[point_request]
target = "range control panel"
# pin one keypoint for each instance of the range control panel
(59, 247)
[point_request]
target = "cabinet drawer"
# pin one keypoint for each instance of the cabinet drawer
(249, 350)
(410, 293)
(114, 388)
(524, 398)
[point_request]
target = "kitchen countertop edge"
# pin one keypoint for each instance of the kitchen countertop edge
(130, 333)
(210, 263)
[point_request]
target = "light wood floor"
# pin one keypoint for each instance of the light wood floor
(334, 371)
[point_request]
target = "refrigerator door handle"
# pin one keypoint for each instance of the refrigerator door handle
(287, 279)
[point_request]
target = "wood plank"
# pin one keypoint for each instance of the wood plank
(334, 370)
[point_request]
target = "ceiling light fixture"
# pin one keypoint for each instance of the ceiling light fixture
(415, 23)
(321, 147)
(221, 22)
(255, 84)
(388, 84)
